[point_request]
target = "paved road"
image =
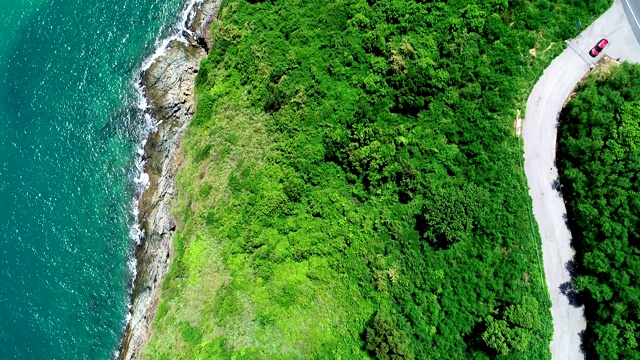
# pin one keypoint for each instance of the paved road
(632, 9)
(539, 134)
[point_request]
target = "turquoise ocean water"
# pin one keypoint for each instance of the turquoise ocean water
(69, 131)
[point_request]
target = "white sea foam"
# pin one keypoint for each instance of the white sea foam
(132, 263)
(182, 26)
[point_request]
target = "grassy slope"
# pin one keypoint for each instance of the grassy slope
(351, 181)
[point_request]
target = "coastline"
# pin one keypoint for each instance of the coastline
(168, 85)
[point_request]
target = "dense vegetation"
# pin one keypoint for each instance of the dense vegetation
(599, 160)
(352, 187)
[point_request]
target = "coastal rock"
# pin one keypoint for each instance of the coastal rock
(202, 22)
(168, 84)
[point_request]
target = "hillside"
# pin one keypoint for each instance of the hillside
(352, 187)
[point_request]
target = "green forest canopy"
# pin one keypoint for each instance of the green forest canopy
(599, 162)
(352, 185)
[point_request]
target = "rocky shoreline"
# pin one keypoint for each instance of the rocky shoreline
(169, 86)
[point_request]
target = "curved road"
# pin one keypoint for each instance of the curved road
(620, 25)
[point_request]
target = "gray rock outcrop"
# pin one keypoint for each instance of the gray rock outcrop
(169, 86)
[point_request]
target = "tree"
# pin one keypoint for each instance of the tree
(526, 314)
(504, 339)
(385, 340)
(497, 335)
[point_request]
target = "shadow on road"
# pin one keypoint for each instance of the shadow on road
(557, 186)
(570, 266)
(565, 217)
(568, 289)
(582, 342)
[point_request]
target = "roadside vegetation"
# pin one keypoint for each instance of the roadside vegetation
(599, 161)
(352, 187)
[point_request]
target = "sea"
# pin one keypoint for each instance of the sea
(72, 123)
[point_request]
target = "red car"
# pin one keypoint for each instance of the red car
(598, 48)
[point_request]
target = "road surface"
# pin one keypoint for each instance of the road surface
(539, 133)
(632, 9)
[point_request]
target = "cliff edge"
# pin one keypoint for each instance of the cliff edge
(169, 86)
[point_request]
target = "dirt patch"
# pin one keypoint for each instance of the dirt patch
(604, 67)
(548, 47)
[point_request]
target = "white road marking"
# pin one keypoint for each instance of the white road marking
(632, 13)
